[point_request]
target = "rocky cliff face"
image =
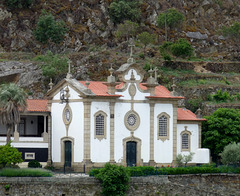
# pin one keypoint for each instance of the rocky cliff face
(89, 23)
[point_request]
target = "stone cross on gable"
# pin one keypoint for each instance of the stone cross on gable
(131, 45)
(69, 75)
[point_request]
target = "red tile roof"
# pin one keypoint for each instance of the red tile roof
(184, 114)
(100, 89)
(36, 105)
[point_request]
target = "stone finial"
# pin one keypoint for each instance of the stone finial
(132, 76)
(155, 71)
(50, 84)
(199, 113)
(69, 75)
(174, 93)
(185, 127)
(151, 80)
(111, 78)
(131, 45)
(87, 84)
(67, 93)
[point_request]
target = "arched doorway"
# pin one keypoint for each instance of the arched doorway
(67, 153)
(131, 154)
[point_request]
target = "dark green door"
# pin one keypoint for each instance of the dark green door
(68, 153)
(131, 154)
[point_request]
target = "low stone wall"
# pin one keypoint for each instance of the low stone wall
(179, 185)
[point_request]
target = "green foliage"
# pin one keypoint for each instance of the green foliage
(53, 65)
(231, 154)
(149, 171)
(7, 187)
(232, 32)
(172, 17)
(127, 29)
(9, 155)
(167, 57)
(182, 48)
(121, 10)
(146, 38)
(184, 159)
(114, 180)
(34, 164)
(25, 172)
(221, 128)
(48, 29)
(221, 96)
(18, 3)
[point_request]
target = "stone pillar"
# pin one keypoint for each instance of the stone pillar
(45, 134)
(151, 161)
(49, 161)
(87, 133)
(199, 135)
(174, 132)
(16, 134)
(112, 116)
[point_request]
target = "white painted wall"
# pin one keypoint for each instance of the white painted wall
(163, 151)
(100, 149)
(73, 94)
(193, 128)
(75, 128)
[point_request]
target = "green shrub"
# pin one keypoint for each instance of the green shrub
(120, 10)
(34, 164)
(231, 154)
(146, 38)
(25, 172)
(182, 48)
(114, 180)
(127, 29)
(18, 3)
(221, 96)
(184, 159)
(172, 17)
(53, 65)
(48, 29)
(9, 155)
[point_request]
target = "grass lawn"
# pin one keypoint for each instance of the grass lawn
(25, 172)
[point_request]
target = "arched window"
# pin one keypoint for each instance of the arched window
(163, 126)
(100, 125)
(185, 140)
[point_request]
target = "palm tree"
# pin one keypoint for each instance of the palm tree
(12, 100)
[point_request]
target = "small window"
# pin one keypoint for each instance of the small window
(185, 140)
(185, 143)
(163, 126)
(100, 125)
(29, 156)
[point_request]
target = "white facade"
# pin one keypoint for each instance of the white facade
(139, 124)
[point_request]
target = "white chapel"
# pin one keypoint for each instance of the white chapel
(84, 124)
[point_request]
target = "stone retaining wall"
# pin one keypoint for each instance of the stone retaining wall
(179, 185)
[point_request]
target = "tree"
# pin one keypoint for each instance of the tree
(221, 128)
(121, 10)
(182, 48)
(18, 3)
(48, 29)
(127, 29)
(53, 65)
(12, 99)
(231, 154)
(9, 155)
(170, 19)
(184, 159)
(146, 38)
